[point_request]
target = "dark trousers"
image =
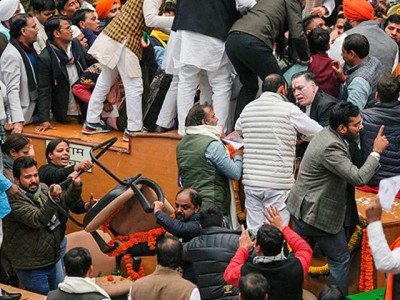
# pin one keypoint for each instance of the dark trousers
(251, 58)
(335, 248)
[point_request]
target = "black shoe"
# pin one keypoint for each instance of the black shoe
(160, 129)
(10, 296)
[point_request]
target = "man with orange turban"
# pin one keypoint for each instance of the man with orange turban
(360, 15)
(107, 10)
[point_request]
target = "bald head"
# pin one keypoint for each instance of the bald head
(274, 83)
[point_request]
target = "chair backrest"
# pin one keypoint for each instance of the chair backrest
(132, 218)
(102, 263)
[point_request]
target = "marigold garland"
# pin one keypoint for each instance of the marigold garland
(352, 244)
(128, 241)
(241, 214)
(132, 274)
(366, 282)
(125, 242)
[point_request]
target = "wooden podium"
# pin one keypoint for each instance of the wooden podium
(151, 154)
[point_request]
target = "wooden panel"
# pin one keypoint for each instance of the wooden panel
(153, 155)
(391, 227)
(25, 294)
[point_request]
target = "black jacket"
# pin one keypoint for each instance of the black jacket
(54, 93)
(382, 114)
(30, 238)
(50, 174)
(210, 254)
(321, 107)
(183, 230)
(284, 276)
(319, 112)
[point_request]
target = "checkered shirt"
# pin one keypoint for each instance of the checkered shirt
(128, 26)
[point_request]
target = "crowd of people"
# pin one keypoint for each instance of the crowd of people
(319, 83)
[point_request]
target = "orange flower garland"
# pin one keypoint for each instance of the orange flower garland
(129, 268)
(125, 242)
(241, 214)
(366, 282)
(106, 224)
(128, 241)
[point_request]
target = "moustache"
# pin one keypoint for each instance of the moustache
(180, 215)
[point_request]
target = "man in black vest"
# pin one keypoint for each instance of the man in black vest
(385, 112)
(284, 274)
(210, 253)
(78, 284)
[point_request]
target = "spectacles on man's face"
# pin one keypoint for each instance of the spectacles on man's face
(68, 28)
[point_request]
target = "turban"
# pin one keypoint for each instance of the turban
(7, 9)
(394, 10)
(358, 10)
(103, 7)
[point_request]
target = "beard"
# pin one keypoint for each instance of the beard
(180, 217)
(350, 136)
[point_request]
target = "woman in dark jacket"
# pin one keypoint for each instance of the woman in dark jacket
(57, 171)
(14, 147)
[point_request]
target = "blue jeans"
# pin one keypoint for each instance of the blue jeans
(60, 264)
(40, 281)
(335, 248)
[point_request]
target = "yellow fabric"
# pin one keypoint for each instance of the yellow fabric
(160, 36)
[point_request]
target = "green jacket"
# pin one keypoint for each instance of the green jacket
(197, 173)
(28, 240)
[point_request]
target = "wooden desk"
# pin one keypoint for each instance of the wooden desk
(391, 227)
(390, 222)
(26, 295)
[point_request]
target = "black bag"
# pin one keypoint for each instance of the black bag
(158, 89)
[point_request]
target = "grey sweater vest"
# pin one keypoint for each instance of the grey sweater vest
(370, 70)
(270, 142)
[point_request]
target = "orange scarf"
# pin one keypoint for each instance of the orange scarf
(390, 281)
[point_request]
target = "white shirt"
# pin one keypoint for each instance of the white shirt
(73, 77)
(192, 48)
(151, 15)
(303, 123)
(40, 43)
(385, 260)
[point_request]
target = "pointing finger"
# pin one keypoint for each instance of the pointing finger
(380, 132)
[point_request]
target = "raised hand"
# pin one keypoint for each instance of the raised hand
(245, 240)
(380, 142)
(274, 218)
